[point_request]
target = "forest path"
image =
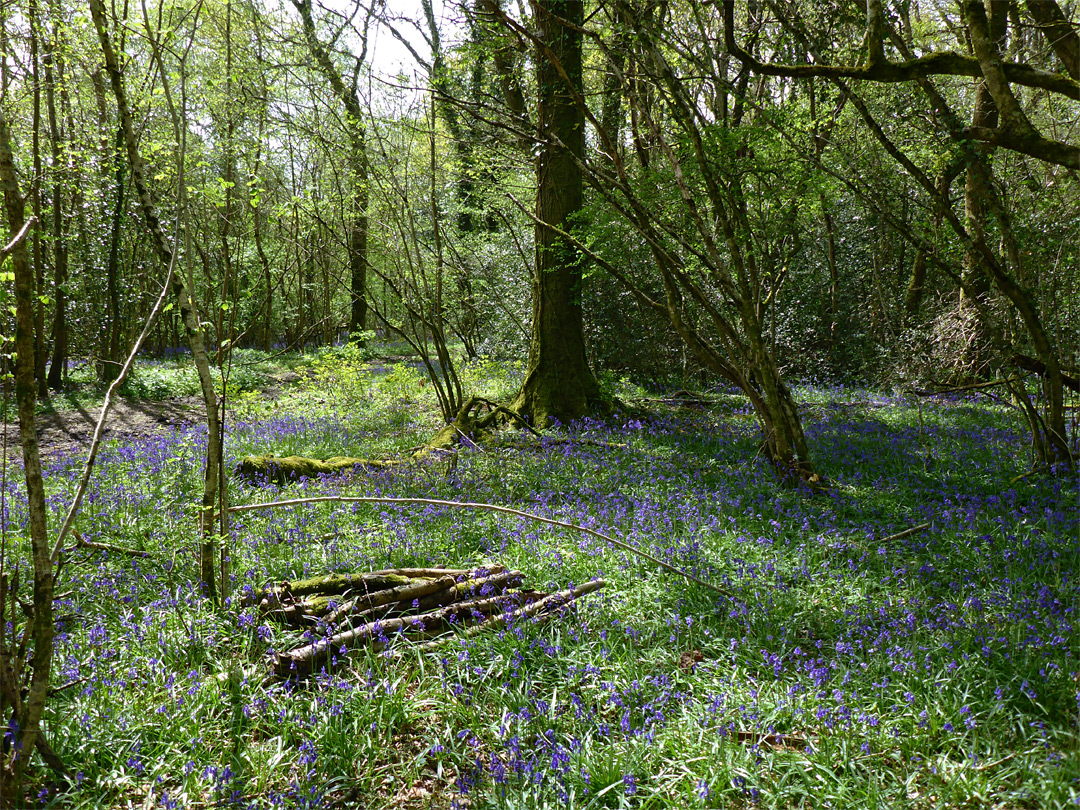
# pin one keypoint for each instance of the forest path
(70, 430)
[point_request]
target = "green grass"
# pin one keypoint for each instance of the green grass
(846, 670)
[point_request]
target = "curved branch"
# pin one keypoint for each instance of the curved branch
(938, 63)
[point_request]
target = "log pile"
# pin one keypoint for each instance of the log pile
(372, 610)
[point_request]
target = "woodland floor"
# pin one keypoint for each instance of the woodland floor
(907, 639)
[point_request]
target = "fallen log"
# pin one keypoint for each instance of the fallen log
(330, 609)
(332, 597)
(332, 584)
(281, 470)
(481, 586)
(375, 634)
(495, 583)
(541, 605)
(368, 603)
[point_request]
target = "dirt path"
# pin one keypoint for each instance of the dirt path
(70, 431)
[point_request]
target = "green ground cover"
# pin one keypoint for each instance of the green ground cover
(845, 668)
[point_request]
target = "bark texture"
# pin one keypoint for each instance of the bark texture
(27, 710)
(559, 383)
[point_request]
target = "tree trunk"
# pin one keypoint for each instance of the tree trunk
(976, 289)
(39, 297)
(358, 248)
(916, 288)
(53, 74)
(181, 291)
(28, 715)
(559, 383)
(111, 362)
(358, 225)
(264, 260)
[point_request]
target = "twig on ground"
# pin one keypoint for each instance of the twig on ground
(82, 542)
(490, 507)
(988, 765)
(899, 535)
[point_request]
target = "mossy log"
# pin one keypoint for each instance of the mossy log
(384, 603)
(329, 584)
(282, 469)
(306, 600)
(418, 600)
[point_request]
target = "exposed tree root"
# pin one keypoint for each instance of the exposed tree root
(475, 422)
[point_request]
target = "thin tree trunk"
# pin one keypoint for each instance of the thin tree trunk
(39, 297)
(181, 292)
(110, 366)
(53, 74)
(260, 250)
(358, 224)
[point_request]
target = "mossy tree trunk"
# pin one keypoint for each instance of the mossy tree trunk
(559, 382)
(27, 707)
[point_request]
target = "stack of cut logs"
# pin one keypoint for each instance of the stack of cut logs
(347, 611)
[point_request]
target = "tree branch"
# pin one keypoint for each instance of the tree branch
(938, 63)
(17, 239)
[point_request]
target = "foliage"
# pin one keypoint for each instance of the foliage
(169, 378)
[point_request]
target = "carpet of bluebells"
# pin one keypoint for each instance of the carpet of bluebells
(844, 668)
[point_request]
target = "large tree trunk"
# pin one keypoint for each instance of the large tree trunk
(559, 382)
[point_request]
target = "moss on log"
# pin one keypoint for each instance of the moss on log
(282, 469)
(331, 584)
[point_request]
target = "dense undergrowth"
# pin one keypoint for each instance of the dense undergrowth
(938, 669)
